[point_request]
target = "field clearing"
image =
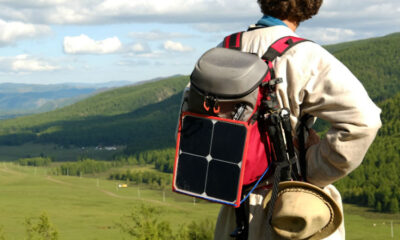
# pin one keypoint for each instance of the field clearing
(88, 208)
(83, 208)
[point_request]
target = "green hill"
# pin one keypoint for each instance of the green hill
(375, 62)
(141, 115)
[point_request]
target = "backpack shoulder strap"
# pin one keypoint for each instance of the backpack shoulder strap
(277, 49)
(280, 46)
(233, 41)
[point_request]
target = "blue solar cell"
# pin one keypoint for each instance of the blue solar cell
(191, 174)
(228, 142)
(222, 180)
(196, 135)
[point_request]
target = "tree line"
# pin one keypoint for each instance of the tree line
(153, 179)
(35, 161)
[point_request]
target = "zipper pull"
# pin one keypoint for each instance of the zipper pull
(206, 103)
(211, 102)
(216, 107)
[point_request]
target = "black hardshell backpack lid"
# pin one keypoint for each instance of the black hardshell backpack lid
(228, 73)
(226, 79)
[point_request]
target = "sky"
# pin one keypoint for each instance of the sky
(94, 41)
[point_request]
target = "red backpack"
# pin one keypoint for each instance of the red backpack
(221, 144)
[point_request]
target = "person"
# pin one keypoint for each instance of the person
(314, 83)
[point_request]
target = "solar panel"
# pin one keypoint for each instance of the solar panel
(209, 159)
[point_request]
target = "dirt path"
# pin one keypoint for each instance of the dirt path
(7, 170)
(58, 181)
(111, 194)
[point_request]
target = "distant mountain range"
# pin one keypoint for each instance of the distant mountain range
(18, 99)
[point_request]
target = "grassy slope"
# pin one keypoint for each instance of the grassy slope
(82, 210)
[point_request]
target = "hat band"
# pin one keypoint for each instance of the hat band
(303, 190)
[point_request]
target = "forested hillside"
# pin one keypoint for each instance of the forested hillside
(143, 116)
(375, 62)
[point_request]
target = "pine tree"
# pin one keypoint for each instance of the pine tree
(394, 205)
(378, 206)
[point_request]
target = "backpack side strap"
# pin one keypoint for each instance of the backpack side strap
(280, 46)
(233, 41)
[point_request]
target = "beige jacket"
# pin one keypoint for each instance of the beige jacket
(316, 83)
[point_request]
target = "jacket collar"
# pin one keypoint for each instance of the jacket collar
(268, 21)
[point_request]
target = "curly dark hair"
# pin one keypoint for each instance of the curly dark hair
(292, 10)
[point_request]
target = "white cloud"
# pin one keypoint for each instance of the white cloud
(28, 18)
(151, 55)
(139, 48)
(328, 35)
(177, 10)
(159, 35)
(116, 11)
(12, 31)
(357, 15)
(85, 45)
(133, 63)
(176, 47)
(221, 27)
(25, 63)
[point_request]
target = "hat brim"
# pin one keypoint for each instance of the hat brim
(337, 213)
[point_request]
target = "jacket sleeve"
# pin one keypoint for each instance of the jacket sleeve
(326, 89)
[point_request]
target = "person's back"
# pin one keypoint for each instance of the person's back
(314, 83)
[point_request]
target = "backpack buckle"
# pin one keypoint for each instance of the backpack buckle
(272, 83)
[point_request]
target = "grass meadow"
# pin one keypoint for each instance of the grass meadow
(90, 207)
(83, 208)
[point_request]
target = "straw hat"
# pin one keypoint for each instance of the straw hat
(303, 211)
